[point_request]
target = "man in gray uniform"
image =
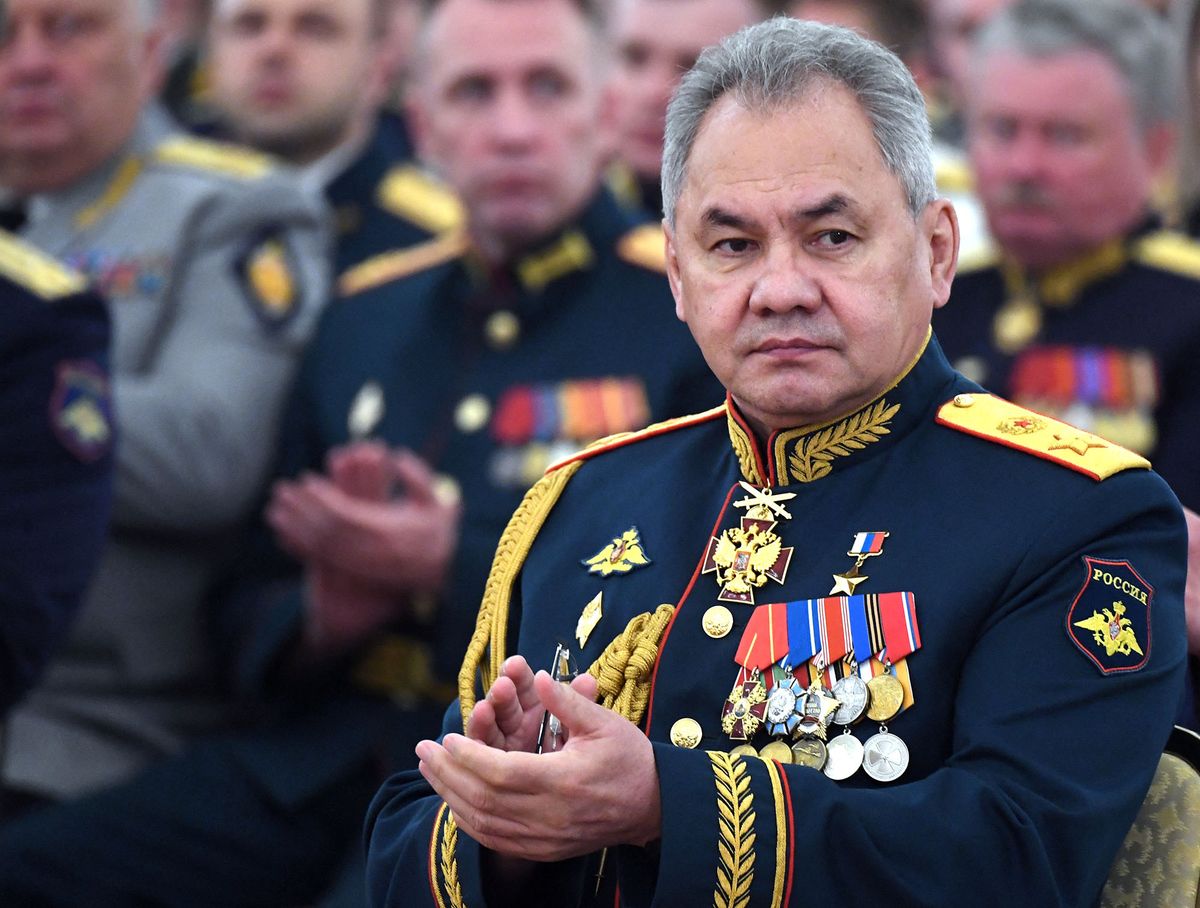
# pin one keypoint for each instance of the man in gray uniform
(214, 263)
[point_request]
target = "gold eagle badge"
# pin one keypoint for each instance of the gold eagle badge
(1112, 630)
(620, 556)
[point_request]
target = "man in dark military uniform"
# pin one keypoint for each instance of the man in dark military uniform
(864, 631)
(1086, 311)
(306, 80)
(56, 436)
(442, 382)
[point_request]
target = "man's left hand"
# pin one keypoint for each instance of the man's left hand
(600, 790)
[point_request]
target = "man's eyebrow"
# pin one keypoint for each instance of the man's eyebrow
(832, 204)
(719, 217)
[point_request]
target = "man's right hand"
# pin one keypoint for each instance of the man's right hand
(510, 716)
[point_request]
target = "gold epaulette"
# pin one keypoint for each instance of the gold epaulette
(37, 272)
(985, 256)
(953, 174)
(621, 439)
(1169, 251)
(391, 266)
(215, 157)
(411, 193)
(995, 419)
(644, 246)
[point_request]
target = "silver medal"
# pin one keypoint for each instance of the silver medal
(844, 756)
(853, 696)
(885, 757)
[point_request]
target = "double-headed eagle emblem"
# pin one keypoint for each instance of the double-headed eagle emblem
(620, 556)
(1112, 630)
(746, 556)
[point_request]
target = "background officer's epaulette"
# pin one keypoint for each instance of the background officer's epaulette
(622, 439)
(1169, 251)
(995, 419)
(409, 192)
(645, 246)
(953, 174)
(215, 157)
(35, 271)
(391, 266)
(986, 256)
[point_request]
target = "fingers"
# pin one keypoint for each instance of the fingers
(579, 714)
(415, 476)
(517, 670)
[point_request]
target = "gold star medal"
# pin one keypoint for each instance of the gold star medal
(746, 556)
(866, 545)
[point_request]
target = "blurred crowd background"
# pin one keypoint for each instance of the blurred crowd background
(301, 296)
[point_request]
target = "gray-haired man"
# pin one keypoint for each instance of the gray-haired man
(888, 657)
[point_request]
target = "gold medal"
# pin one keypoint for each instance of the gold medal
(717, 622)
(810, 752)
(778, 751)
(744, 750)
(686, 733)
(887, 696)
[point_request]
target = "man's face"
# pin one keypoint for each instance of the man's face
(1059, 171)
(507, 109)
(657, 41)
(295, 76)
(73, 77)
(796, 263)
(953, 25)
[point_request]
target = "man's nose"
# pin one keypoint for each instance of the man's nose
(27, 52)
(787, 280)
(514, 121)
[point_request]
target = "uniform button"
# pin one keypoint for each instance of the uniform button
(502, 329)
(447, 490)
(686, 733)
(366, 410)
(964, 400)
(472, 413)
(717, 621)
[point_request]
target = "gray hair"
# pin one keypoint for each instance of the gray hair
(1135, 40)
(779, 62)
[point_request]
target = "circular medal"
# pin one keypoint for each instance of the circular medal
(885, 757)
(853, 696)
(887, 696)
(744, 750)
(816, 709)
(1016, 324)
(809, 752)
(686, 733)
(717, 622)
(781, 716)
(778, 751)
(845, 756)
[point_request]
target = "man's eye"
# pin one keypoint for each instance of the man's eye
(472, 90)
(836, 237)
(735, 246)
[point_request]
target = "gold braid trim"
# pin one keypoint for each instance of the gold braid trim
(625, 667)
(491, 625)
(449, 861)
(735, 847)
(813, 456)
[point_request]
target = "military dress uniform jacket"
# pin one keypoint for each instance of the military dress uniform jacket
(214, 263)
(1110, 343)
(489, 380)
(56, 437)
(1031, 747)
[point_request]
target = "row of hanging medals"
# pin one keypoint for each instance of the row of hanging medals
(789, 650)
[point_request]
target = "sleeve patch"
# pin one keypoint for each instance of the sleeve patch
(81, 409)
(1109, 621)
(267, 272)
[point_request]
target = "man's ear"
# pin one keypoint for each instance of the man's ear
(941, 227)
(673, 270)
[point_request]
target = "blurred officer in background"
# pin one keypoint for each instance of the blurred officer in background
(436, 391)
(56, 438)
(306, 80)
(214, 264)
(656, 42)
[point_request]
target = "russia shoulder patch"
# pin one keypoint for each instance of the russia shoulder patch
(81, 409)
(1110, 618)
